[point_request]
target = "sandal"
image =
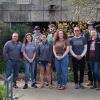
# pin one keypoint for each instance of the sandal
(41, 86)
(50, 86)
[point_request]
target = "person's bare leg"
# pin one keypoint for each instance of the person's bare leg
(52, 66)
(48, 70)
(42, 76)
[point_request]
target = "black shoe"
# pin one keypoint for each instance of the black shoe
(25, 86)
(76, 86)
(34, 85)
(93, 87)
(15, 86)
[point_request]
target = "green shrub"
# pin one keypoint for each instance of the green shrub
(2, 67)
(3, 92)
(70, 76)
(21, 70)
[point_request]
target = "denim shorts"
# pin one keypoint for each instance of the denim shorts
(43, 63)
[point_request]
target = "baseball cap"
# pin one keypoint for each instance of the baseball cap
(36, 28)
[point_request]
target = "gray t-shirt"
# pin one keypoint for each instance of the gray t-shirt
(12, 51)
(29, 49)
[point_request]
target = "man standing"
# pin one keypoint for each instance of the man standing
(52, 30)
(37, 35)
(78, 48)
(50, 38)
(12, 52)
(36, 39)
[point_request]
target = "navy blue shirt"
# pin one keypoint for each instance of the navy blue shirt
(45, 52)
(12, 51)
(78, 44)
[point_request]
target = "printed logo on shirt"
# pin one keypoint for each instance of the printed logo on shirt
(78, 42)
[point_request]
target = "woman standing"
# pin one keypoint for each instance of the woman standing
(61, 50)
(44, 52)
(29, 53)
(94, 58)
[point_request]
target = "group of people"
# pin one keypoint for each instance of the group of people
(52, 50)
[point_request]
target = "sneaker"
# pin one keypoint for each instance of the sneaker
(98, 86)
(76, 86)
(41, 86)
(62, 87)
(58, 86)
(25, 86)
(15, 86)
(93, 87)
(50, 86)
(34, 85)
(81, 86)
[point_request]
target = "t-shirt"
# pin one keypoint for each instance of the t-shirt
(12, 50)
(78, 44)
(92, 46)
(45, 52)
(60, 46)
(29, 49)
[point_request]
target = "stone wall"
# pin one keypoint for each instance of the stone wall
(47, 10)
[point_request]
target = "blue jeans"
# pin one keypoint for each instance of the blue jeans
(62, 70)
(12, 66)
(97, 71)
(95, 68)
(92, 65)
(29, 69)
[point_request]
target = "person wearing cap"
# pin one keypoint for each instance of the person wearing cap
(36, 39)
(36, 35)
(78, 48)
(52, 30)
(50, 38)
(90, 25)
